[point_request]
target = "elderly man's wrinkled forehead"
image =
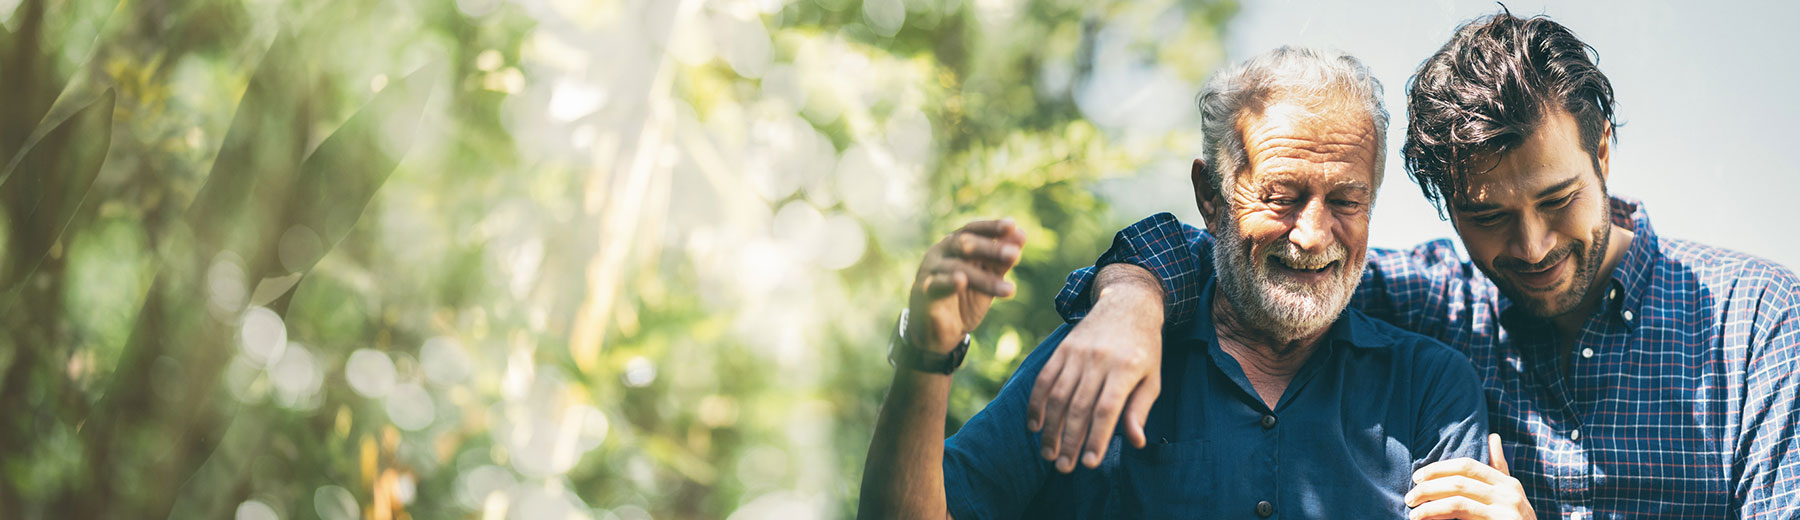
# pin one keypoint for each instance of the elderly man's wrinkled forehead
(1310, 133)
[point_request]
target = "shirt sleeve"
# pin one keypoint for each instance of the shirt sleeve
(1768, 447)
(1178, 254)
(1453, 419)
(1418, 288)
(991, 465)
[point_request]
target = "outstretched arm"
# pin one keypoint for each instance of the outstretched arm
(955, 285)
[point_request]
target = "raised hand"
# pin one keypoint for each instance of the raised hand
(959, 279)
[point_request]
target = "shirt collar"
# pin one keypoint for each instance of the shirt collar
(1351, 328)
(1631, 278)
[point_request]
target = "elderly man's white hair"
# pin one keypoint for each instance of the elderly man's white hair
(1286, 72)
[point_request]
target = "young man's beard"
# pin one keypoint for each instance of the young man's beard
(1281, 310)
(1587, 265)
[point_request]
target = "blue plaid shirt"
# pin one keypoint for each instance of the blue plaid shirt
(1678, 401)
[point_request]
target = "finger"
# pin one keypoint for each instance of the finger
(1453, 486)
(1463, 466)
(1452, 508)
(1137, 409)
(996, 228)
(1075, 421)
(990, 252)
(1106, 416)
(1040, 391)
(1051, 435)
(940, 284)
(1017, 236)
(976, 278)
(1497, 455)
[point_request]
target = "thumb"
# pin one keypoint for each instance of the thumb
(1497, 456)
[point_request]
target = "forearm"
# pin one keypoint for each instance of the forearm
(1130, 290)
(904, 474)
(1128, 278)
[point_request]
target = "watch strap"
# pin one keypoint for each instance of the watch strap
(902, 352)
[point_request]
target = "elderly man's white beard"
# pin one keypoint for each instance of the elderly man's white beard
(1282, 309)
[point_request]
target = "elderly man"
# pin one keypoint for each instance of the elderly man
(1279, 401)
(1631, 375)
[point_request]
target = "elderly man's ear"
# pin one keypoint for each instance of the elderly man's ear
(1207, 198)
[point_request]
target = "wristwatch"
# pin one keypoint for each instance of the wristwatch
(902, 352)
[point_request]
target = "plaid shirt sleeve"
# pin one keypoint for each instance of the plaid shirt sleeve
(1768, 445)
(1416, 288)
(1170, 249)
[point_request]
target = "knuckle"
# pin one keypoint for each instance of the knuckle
(1071, 440)
(1462, 465)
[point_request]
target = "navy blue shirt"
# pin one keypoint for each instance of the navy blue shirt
(1370, 406)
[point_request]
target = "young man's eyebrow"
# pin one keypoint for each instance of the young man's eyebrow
(1477, 207)
(1552, 190)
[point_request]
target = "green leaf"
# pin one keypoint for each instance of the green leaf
(46, 182)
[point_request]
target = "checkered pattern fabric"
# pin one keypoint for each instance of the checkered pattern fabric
(1677, 401)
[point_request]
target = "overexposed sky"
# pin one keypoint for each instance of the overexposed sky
(1707, 93)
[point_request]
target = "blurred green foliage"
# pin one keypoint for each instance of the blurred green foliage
(527, 259)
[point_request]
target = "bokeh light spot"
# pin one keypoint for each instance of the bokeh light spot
(370, 373)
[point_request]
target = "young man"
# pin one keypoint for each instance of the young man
(1280, 402)
(1631, 375)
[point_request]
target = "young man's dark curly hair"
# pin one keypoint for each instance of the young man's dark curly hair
(1488, 88)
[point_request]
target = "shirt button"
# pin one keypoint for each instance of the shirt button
(1264, 509)
(1628, 315)
(1587, 352)
(1574, 435)
(1268, 421)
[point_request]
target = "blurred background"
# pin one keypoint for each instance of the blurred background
(265, 259)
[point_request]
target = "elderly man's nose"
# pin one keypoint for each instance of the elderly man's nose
(1312, 227)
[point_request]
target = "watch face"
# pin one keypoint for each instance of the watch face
(956, 357)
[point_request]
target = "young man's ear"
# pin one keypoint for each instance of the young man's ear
(1207, 198)
(1603, 152)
